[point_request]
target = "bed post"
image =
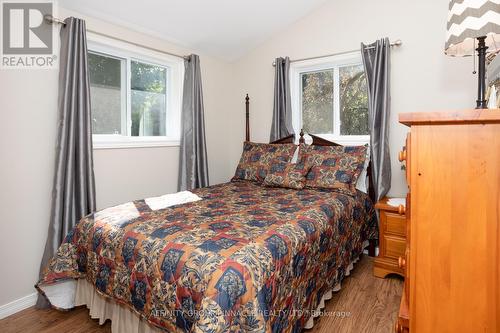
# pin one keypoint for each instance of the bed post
(247, 118)
(301, 139)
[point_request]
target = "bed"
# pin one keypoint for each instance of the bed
(240, 257)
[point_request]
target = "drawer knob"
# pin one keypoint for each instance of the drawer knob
(401, 262)
(401, 209)
(402, 155)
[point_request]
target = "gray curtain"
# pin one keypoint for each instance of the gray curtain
(193, 167)
(376, 59)
(73, 191)
(282, 109)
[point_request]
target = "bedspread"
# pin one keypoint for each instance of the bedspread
(245, 258)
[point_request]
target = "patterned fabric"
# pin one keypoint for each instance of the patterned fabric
(328, 155)
(334, 167)
(245, 258)
(332, 177)
(287, 175)
(258, 157)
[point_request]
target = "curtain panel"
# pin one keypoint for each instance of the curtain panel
(73, 191)
(376, 60)
(193, 163)
(282, 109)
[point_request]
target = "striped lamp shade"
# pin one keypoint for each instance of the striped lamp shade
(469, 19)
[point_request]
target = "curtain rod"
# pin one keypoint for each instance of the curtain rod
(397, 42)
(51, 19)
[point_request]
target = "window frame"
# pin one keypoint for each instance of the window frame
(175, 73)
(320, 64)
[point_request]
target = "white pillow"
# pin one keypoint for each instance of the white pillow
(362, 183)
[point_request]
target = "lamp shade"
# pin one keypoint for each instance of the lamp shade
(468, 20)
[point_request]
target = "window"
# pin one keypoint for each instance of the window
(329, 98)
(135, 95)
(107, 92)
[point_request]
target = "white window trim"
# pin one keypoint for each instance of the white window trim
(175, 75)
(296, 68)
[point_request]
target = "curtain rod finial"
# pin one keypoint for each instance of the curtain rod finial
(48, 18)
(51, 19)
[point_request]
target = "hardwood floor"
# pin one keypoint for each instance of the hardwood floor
(370, 304)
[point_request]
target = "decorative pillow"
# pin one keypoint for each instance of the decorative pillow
(257, 158)
(288, 175)
(334, 167)
(327, 155)
(331, 177)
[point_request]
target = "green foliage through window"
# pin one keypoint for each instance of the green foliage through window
(106, 93)
(320, 100)
(317, 102)
(148, 96)
(149, 84)
(353, 101)
(104, 70)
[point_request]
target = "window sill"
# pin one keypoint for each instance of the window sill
(97, 145)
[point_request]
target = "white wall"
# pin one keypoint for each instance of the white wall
(423, 78)
(28, 109)
(27, 140)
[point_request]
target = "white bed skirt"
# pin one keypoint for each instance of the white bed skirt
(124, 320)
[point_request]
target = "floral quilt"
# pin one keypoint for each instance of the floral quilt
(245, 258)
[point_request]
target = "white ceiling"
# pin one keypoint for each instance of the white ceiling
(226, 29)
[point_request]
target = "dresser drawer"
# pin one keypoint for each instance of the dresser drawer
(395, 246)
(395, 223)
(392, 239)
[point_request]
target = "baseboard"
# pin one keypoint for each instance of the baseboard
(18, 305)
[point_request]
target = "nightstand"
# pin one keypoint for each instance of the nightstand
(392, 240)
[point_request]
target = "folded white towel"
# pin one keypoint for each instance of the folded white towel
(172, 199)
(126, 212)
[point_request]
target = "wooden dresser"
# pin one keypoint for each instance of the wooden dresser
(452, 257)
(392, 239)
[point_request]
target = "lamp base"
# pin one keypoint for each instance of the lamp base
(481, 102)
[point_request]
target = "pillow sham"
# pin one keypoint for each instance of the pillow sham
(287, 175)
(327, 155)
(331, 177)
(257, 158)
(334, 167)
